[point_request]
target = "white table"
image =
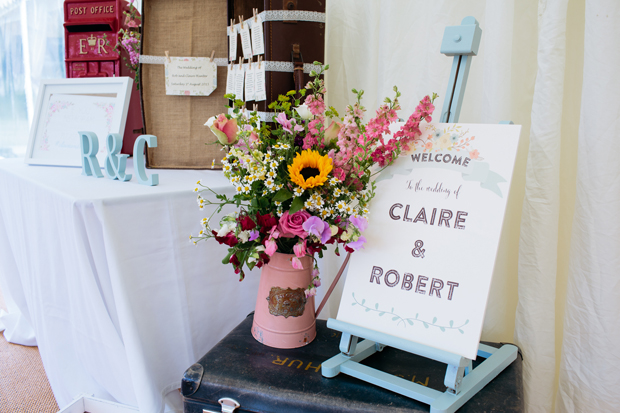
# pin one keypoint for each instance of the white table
(102, 273)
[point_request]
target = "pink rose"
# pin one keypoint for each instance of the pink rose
(225, 129)
(292, 225)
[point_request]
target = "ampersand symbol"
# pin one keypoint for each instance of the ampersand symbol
(418, 252)
(114, 163)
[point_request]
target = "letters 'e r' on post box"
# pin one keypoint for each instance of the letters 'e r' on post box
(91, 31)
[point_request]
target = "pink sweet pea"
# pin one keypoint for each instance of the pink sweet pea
(270, 247)
(300, 249)
(316, 226)
(225, 129)
(360, 222)
(297, 264)
(288, 125)
(355, 245)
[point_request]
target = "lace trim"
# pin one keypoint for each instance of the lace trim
(282, 15)
(221, 61)
(298, 15)
(263, 116)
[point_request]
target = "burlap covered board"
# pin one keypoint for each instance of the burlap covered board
(185, 28)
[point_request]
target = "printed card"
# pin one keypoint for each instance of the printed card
(245, 41)
(190, 76)
(239, 80)
(258, 42)
(232, 43)
(230, 79)
(249, 82)
(434, 228)
(260, 92)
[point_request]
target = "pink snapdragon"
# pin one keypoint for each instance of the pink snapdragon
(315, 104)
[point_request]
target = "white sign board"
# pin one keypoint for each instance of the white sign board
(190, 76)
(434, 228)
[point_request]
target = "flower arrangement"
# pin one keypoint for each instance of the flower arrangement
(129, 40)
(306, 182)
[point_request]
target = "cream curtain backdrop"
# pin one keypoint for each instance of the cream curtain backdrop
(554, 290)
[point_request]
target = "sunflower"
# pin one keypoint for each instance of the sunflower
(310, 169)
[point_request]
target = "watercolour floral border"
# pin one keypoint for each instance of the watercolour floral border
(409, 320)
(453, 137)
(54, 108)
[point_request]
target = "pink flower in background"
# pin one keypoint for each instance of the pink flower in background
(474, 154)
(292, 225)
(332, 131)
(311, 292)
(225, 129)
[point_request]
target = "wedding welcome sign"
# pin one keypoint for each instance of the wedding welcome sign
(426, 269)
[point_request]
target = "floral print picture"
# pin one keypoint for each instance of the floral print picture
(63, 116)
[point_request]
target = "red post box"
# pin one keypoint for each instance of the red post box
(91, 31)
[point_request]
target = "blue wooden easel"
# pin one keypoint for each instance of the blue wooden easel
(462, 381)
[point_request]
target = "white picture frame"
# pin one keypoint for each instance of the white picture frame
(53, 121)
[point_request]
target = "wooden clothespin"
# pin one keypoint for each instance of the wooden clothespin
(240, 63)
(168, 56)
(250, 63)
(255, 107)
(232, 25)
(241, 21)
(212, 55)
(259, 59)
(255, 11)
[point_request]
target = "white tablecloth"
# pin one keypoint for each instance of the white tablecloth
(103, 274)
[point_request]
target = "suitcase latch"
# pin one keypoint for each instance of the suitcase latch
(228, 405)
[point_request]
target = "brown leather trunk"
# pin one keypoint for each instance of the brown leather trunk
(281, 39)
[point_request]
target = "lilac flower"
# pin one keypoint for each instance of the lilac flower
(355, 245)
(360, 222)
(254, 234)
(316, 226)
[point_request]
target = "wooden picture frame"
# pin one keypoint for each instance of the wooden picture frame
(67, 106)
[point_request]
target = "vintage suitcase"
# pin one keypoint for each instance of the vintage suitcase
(265, 379)
(293, 41)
